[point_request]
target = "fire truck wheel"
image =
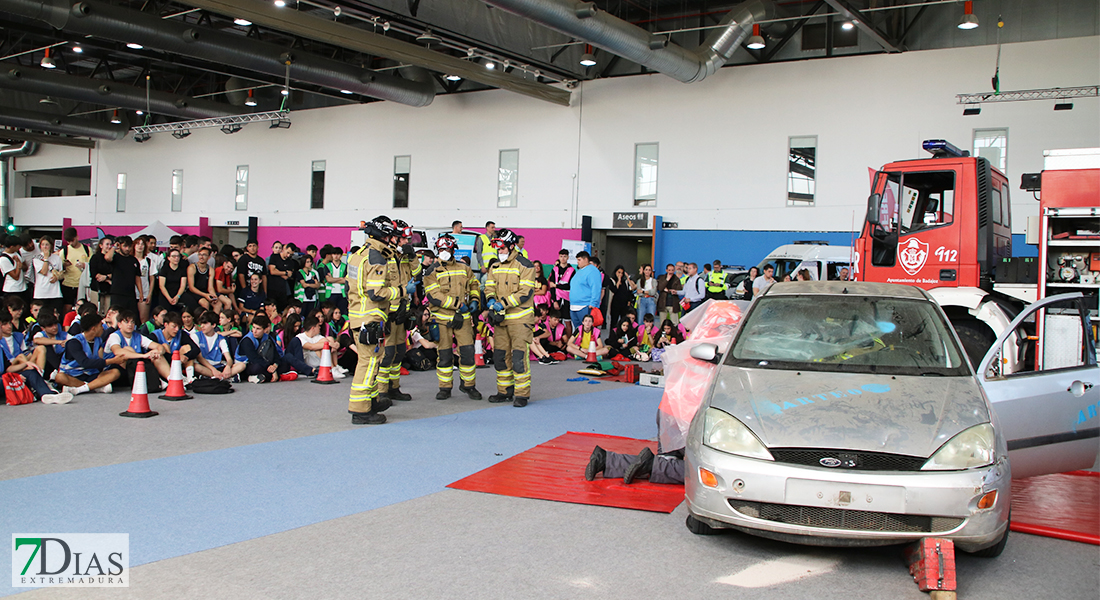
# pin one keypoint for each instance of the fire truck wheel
(976, 339)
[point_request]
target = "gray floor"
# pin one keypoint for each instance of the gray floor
(457, 544)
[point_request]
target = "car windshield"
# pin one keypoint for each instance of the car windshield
(856, 334)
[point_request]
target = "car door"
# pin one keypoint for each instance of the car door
(1048, 412)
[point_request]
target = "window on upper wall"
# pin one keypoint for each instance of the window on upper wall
(402, 166)
(801, 170)
(992, 145)
(177, 190)
(240, 200)
(317, 185)
(120, 193)
(645, 174)
(508, 179)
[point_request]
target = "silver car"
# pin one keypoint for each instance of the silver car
(847, 414)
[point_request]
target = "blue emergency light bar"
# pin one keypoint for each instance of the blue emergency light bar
(943, 148)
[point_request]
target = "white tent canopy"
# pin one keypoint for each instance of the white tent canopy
(158, 230)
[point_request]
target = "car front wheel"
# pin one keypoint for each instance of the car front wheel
(996, 549)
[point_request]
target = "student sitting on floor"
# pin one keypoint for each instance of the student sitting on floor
(12, 342)
(83, 368)
(261, 354)
(155, 322)
(18, 363)
(171, 339)
(586, 336)
(49, 344)
(214, 360)
(624, 338)
(131, 346)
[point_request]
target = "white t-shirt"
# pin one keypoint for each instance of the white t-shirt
(117, 339)
(313, 357)
(43, 287)
(13, 348)
(761, 284)
(210, 341)
(148, 273)
(11, 286)
(27, 256)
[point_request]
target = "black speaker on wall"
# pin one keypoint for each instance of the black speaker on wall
(253, 228)
(586, 229)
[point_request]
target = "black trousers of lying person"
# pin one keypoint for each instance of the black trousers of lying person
(667, 467)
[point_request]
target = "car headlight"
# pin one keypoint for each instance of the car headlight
(725, 433)
(972, 448)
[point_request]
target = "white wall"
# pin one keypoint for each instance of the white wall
(723, 145)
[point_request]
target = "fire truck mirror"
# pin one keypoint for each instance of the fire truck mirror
(873, 206)
(1031, 182)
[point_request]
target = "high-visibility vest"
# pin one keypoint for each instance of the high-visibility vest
(487, 250)
(716, 282)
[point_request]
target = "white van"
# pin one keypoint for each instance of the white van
(819, 258)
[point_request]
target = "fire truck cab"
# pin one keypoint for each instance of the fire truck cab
(943, 224)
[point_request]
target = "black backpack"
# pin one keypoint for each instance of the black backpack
(211, 386)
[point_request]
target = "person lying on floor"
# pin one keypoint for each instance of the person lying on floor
(667, 467)
(587, 335)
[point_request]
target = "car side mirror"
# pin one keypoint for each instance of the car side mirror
(705, 353)
(874, 203)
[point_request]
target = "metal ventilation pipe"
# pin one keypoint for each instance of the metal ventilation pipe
(99, 91)
(128, 26)
(25, 149)
(37, 121)
(582, 20)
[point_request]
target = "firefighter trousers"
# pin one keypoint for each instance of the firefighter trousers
(463, 337)
(364, 390)
(389, 370)
(512, 358)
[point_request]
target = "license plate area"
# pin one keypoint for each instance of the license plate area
(831, 494)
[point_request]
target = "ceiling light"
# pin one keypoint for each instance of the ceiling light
(134, 46)
(139, 112)
(489, 64)
(47, 62)
(969, 20)
(48, 101)
(78, 49)
(847, 26)
(141, 137)
(453, 78)
(346, 92)
(114, 118)
(971, 111)
(250, 101)
(756, 42)
(285, 91)
(228, 129)
(428, 38)
(1063, 106)
(181, 133)
(279, 124)
(242, 22)
(280, 3)
(588, 59)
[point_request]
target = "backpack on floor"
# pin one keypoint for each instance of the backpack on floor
(418, 360)
(211, 386)
(16, 390)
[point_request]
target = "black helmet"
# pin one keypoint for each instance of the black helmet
(446, 242)
(505, 239)
(403, 228)
(380, 228)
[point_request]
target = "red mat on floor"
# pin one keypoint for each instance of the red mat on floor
(555, 471)
(1064, 506)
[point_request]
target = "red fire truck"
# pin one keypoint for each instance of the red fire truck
(944, 224)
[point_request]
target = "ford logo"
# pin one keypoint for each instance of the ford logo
(830, 462)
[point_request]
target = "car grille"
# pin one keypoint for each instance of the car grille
(835, 518)
(865, 461)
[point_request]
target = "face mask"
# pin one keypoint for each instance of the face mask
(444, 256)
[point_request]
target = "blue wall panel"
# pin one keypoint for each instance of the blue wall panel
(733, 247)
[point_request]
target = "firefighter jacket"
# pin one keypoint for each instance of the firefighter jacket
(449, 285)
(401, 269)
(369, 295)
(512, 282)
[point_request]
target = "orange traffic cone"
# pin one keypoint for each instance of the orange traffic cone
(175, 380)
(479, 352)
(324, 372)
(591, 352)
(139, 399)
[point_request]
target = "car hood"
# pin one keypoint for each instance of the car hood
(908, 415)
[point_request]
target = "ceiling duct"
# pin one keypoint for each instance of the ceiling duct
(585, 22)
(110, 93)
(13, 117)
(133, 27)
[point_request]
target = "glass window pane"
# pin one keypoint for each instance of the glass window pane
(645, 174)
(317, 185)
(802, 171)
(241, 198)
(402, 165)
(120, 194)
(508, 179)
(992, 145)
(177, 190)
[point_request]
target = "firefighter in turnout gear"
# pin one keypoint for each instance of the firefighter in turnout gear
(509, 294)
(454, 297)
(403, 272)
(369, 300)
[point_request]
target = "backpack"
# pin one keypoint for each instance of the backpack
(16, 390)
(267, 350)
(211, 386)
(418, 360)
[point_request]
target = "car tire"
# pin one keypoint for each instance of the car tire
(700, 528)
(996, 549)
(976, 340)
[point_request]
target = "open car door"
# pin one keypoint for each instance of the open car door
(1048, 412)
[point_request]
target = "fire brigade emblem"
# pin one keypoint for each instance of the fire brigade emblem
(913, 255)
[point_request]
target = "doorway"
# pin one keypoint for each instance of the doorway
(631, 249)
(234, 236)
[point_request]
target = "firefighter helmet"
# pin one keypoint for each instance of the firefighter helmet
(505, 239)
(403, 228)
(446, 242)
(380, 228)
